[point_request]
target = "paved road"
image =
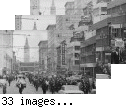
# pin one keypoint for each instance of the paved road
(12, 89)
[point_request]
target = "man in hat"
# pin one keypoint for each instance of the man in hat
(123, 55)
(115, 57)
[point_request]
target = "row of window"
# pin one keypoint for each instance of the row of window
(88, 59)
(88, 48)
(77, 47)
(117, 9)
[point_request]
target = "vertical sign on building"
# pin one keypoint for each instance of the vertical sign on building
(63, 53)
(58, 57)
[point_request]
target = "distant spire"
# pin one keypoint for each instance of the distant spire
(35, 27)
(53, 5)
(53, 8)
(26, 43)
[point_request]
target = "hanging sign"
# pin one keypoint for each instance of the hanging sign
(119, 43)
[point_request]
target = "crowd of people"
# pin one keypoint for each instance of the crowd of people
(118, 55)
(8, 78)
(54, 84)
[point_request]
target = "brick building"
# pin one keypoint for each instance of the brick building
(103, 49)
(88, 57)
(117, 11)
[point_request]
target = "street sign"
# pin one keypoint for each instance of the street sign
(119, 43)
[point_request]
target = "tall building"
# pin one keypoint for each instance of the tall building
(69, 8)
(43, 50)
(79, 5)
(14, 61)
(99, 11)
(18, 22)
(53, 8)
(34, 7)
(26, 51)
(51, 47)
(6, 50)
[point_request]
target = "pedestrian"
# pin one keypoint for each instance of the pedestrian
(4, 89)
(36, 84)
(52, 85)
(44, 86)
(115, 57)
(123, 55)
(21, 88)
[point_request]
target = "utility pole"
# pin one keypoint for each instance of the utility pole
(2, 54)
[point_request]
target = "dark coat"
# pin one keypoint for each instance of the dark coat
(123, 56)
(114, 58)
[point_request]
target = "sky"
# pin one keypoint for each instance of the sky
(19, 38)
(45, 6)
(41, 21)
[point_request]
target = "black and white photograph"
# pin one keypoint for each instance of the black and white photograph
(31, 64)
(51, 49)
(93, 18)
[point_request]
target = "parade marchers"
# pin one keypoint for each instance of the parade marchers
(52, 84)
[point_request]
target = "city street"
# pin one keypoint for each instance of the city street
(12, 89)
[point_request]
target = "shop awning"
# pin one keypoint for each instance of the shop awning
(99, 24)
(115, 3)
(89, 41)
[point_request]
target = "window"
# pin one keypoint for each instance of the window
(77, 62)
(67, 20)
(76, 55)
(104, 9)
(77, 47)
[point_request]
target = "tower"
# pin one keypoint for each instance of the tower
(18, 22)
(53, 9)
(35, 27)
(34, 7)
(26, 51)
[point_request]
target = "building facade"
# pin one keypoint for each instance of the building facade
(6, 50)
(88, 57)
(69, 8)
(34, 7)
(79, 5)
(43, 52)
(14, 61)
(17, 66)
(117, 20)
(99, 11)
(51, 48)
(29, 66)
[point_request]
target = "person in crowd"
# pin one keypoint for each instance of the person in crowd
(52, 85)
(21, 88)
(20, 84)
(115, 56)
(36, 83)
(4, 89)
(10, 79)
(4, 85)
(123, 55)
(44, 86)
